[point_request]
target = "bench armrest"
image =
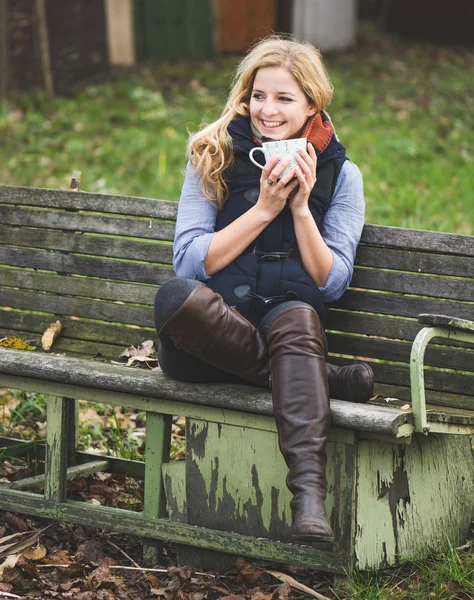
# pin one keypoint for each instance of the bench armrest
(437, 326)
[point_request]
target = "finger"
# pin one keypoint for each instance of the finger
(312, 153)
(267, 169)
(287, 178)
(302, 180)
(280, 168)
(304, 165)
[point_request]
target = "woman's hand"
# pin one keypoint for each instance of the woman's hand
(306, 178)
(274, 189)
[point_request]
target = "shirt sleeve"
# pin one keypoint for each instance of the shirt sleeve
(342, 228)
(195, 226)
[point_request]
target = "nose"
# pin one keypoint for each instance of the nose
(269, 109)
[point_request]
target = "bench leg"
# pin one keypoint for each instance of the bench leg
(157, 452)
(56, 449)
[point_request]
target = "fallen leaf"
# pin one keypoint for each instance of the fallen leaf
(182, 572)
(16, 343)
(9, 563)
(284, 591)
(405, 407)
(247, 572)
(262, 596)
(36, 553)
(144, 349)
(50, 335)
(16, 522)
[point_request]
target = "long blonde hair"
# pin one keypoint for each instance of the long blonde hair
(211, 150)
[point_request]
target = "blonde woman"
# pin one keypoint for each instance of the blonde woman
(259, 254)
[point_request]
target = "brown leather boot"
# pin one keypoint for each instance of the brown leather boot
(354, 383)
(301, 406)
(208, 328)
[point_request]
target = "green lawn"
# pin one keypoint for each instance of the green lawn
(404, 110)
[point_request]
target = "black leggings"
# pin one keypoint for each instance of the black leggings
(181, 365)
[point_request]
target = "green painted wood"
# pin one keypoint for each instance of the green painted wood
(417, 262)
(174, 481)
(139, 227)
(83, 470)
(82, 265)
(235, 480)
(125, 521)
(418, 240)
(421, 285)
(157, 452)
(103, 203)
(154, 251)
(418, 496)
(56, 450)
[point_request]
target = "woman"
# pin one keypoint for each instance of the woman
(258, 254)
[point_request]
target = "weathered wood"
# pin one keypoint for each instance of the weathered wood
(417, 262)
(395, 374)
(114, 334)
(138, 227)
(381, 349)
(144, 250)
(446, 321)
(56, 450)
(105, 203)
(78, 286)
(88, 468)
(63, 305)
(421, 285)
(418, 240)
(162, 529)
(401, 305)
(249, 399)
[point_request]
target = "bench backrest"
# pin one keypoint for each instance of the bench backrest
(95, 261)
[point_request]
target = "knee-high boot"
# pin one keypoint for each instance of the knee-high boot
(354, 383)
(301, 406)
(208, 328)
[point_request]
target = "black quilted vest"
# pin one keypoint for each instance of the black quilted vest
(270, 270)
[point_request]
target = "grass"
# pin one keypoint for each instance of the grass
(448, 575)
(404, 110)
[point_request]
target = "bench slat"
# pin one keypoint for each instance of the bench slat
(34, 325)
(144, 250)
(399, 375)
(418, 240)
(436, 356)
(78, 286)
(64, 305)
(443, 399)
(89, 373)
(420, 285)
(401, 305)
(409, 260)
(81, 265)
(93, 223)
(107, 203)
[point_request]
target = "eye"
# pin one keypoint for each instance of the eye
(286, 99)
(257, 95)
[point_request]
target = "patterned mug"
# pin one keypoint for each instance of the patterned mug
(283, 148)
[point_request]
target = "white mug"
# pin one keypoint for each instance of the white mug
(283, 148)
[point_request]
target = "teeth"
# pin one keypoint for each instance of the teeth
(272, 123)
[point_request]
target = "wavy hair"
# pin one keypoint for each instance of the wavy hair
(210, 150)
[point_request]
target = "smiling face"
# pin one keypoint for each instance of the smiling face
(278, 106)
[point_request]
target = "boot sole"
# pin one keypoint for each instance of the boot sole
(323, 545)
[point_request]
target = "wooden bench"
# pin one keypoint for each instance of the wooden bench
(400, 476)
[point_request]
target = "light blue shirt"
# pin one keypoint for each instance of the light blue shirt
(342, 228)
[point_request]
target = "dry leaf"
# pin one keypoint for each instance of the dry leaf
(296, 584)
(50, 335)
(247, 571)
(182, 572)
(9, 563)
(144, 349)
(262, 596)
(36, 553)
(405, 407)
(284, 591)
